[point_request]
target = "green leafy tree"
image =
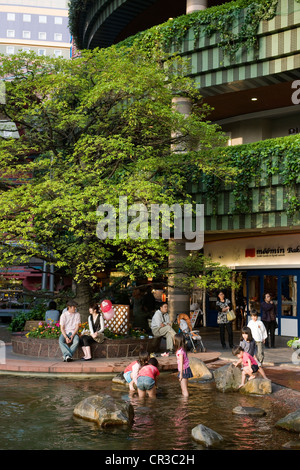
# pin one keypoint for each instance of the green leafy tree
(91, 130)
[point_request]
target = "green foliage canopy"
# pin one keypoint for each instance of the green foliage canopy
(91, 130)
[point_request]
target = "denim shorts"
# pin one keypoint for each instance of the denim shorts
(145, 383)
(127, 376)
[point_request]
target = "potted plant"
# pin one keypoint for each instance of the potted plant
(294, 343)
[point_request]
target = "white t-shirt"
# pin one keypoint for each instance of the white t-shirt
(258, 330)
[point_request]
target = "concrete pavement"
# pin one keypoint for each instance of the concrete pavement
(279, 363)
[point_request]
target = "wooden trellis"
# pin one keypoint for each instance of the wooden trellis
(119, 324)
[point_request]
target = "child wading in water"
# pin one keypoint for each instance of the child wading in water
(184, 370)
(147, 377)
(131, 371)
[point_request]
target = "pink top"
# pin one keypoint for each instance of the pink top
(134, 368)
(149, 371)
(69, 321)
(186, 362)
(247, 356)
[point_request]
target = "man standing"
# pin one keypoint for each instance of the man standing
(69, 326)
(162, 327)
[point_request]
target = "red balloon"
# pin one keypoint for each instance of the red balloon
(109, 315)
(105, 306)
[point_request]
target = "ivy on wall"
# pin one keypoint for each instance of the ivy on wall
(256, 163)
(220, 19)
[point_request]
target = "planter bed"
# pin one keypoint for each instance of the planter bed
(110, 348)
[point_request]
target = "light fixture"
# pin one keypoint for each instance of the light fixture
(253, 99)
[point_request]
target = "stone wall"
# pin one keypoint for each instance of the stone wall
(109, 348)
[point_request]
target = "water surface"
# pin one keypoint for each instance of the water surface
(37, 414)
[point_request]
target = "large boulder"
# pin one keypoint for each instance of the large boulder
(228, 378)
(206, 436)
(105, 411)
(257, 387)
(291, 422)
(199, 369)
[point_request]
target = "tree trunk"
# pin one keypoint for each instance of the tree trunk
(83, 298)
(178, 299)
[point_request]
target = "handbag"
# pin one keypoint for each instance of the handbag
(230, 315)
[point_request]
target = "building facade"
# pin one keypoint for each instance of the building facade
(255, 99)
(40, 26)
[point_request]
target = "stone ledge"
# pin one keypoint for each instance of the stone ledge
(129, 347)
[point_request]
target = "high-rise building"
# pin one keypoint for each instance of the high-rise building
(35, 25)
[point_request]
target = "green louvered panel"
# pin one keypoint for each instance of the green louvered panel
(279, 43)
(266, 210)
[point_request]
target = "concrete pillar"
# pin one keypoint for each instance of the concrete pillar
(44, 276)
(183, 105)
(51, 279)
(195, 5)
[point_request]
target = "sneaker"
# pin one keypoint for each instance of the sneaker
(68, 359)
(165, 354)
(170, 352)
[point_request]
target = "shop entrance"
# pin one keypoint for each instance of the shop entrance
(283, 287)
(281, 284)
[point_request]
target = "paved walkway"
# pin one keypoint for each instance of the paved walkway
(278, 363)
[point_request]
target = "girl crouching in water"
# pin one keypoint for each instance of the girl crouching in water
(131, 371)
(184, 370)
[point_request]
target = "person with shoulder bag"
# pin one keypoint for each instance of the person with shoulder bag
(223, 306)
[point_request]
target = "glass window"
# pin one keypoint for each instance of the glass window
(42, 19)
(270, 286)
(42, 52)
(11, 17)
(10, 50)
(57, 53)
(58, 20)
(289, 296)
(57, 37)
(42, 35)
(10, 33)
(26, 34)
(27, 18)
(254, 293)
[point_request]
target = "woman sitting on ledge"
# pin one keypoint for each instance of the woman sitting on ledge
(95, 332)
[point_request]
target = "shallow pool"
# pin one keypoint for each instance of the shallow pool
(37, 414)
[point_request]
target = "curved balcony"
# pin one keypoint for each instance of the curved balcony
(101, 23)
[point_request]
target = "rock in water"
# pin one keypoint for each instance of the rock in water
(206, 436)
(119, 379)
(228, 378)
(199, 369)
(105, 411)
(291, 422)
(257, 387)
(248, 410)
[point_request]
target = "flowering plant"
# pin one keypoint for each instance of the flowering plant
(137, 333)
(47, 330)
(111, 335)
(50, 329)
